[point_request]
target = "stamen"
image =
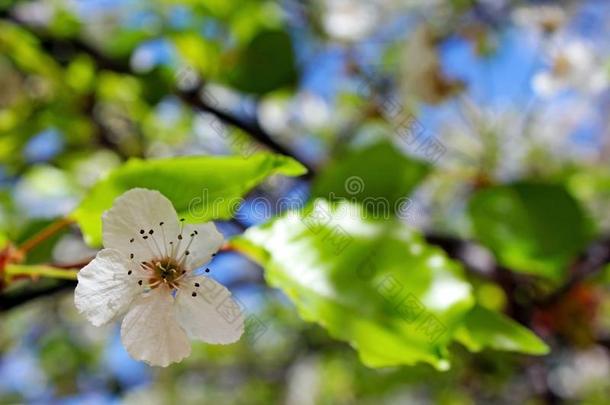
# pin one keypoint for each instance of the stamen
(176, 281)
(156, 244)
(186, 249)
(194, 294)
(171, 251)
(151, 251)
(147, 267)
(164, 239)
(179, 238)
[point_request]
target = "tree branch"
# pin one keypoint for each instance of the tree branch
(11, 299)
(69, 47)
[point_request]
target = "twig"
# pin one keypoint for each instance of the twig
(44, 235)
(593, 260)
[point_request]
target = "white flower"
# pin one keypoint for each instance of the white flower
(547, 18)
(574, 65)
(349, 20)
(146, 271)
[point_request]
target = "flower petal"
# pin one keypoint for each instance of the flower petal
(203, 240)
(207, 312)
(127, 225)
(150, 332)
(106, 286)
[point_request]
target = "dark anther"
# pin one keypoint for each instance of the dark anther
(207, 270)
(129, 273)
(181, 219)
(141, 231)
(213, 254)
(151, 232)
(194, 294)
(171, 243)
(160, 223)
(196, 233)
(131, 256)
(131, 240)
(187, 253)
(179, 237)
(196, 284)
(140, 282)
(145, 236)
(183, 271)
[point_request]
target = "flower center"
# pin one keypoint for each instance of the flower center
(166, 271)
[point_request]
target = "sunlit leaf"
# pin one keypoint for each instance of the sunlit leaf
(483, 328)
(374, 284)
(201, 188)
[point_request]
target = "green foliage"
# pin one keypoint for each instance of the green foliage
(371, 174)
(200, 54)
(266, 64)
(374, 284)
(201, 188)
(483, 328)
(377, 285)
(104, 85)
(533, 228)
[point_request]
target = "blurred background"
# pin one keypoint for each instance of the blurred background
(493, 91)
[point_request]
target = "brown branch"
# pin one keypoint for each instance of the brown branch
(594, 259)
(252, 128)
(43, 235)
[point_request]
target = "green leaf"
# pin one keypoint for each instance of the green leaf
(201, 188)
(483, 328)
(266, 64)
(378, 176)
(375, 284)
(197, 51)
(532, 228)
